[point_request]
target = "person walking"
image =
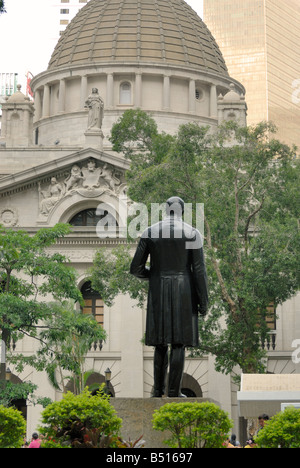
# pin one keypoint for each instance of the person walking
(35, 441)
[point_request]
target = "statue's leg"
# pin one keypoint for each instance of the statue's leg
(160, 370)
(176, 371)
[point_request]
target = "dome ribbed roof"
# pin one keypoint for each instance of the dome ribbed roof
(138, 31)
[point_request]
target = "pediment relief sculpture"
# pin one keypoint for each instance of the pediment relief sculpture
(50, 197)
(90, 181)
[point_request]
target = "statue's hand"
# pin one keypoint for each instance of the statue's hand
(202, 312)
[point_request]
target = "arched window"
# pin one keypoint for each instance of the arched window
(90, 218)
(125, 93)
(93, 303)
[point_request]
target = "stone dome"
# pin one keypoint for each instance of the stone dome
(232, 95)
(138, 31)
(18, 97)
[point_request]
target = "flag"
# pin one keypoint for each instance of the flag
(29, 77)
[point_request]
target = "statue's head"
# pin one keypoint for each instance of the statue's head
(175, 207)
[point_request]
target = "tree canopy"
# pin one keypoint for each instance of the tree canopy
(36, 289)
(248, 182)
(281, 431)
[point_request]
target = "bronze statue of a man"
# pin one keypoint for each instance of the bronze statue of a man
(177, 292)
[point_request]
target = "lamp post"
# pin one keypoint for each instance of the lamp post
(2, 359)
(107, 380)
(8, 374)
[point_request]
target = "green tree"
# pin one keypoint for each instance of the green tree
(12, 428)
(68, 421)
(281, 431)
(10, 392)
(248, 182)
(193, 425)
(109, 275)
(31, 275)
(65, 338)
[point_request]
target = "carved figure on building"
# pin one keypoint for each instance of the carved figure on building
(89, 181)
(49, 198)
(91, 175)
(95, 105)
(8, 217)
(109, 176)
(74, 180)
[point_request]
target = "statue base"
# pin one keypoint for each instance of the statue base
(94, 138)
(137, 414)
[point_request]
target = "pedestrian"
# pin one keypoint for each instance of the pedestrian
(35, 441)
(228, 444)
(250, 444)
(262, 420)
(234, 442)
(25, 443)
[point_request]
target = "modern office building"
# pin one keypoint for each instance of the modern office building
(66, 10)
(260, 43)
(8, 84)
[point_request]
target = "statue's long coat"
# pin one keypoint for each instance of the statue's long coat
(177, 282)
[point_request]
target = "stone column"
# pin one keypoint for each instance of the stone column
(166, 93)
(138, 89)
(192, 97)
(46, 101)
(37, 104)
(213, 101)
(62, 95)
(132, 351)
(110, 91)
(83, 91)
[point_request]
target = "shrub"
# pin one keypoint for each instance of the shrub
(12, 428)
(193, 425)
(70, 420)
(282, 430)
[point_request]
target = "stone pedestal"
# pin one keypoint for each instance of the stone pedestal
(137, 414)
(94, 138)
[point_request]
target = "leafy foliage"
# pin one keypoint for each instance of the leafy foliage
(78, 418)
(65, 338)
(282, 430)
(193, 425)
(10, 392)
(32, 274)
(12, 428)
(109, 275)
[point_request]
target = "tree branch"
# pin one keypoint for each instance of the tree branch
(225, 295)
(248, 223)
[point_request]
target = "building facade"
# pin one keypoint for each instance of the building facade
(260, 43)
(66, 10)
(57, 164)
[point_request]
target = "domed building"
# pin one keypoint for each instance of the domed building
(158, 56)
(57, 164)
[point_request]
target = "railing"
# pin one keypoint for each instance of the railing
(268, 341)
(97, 346)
